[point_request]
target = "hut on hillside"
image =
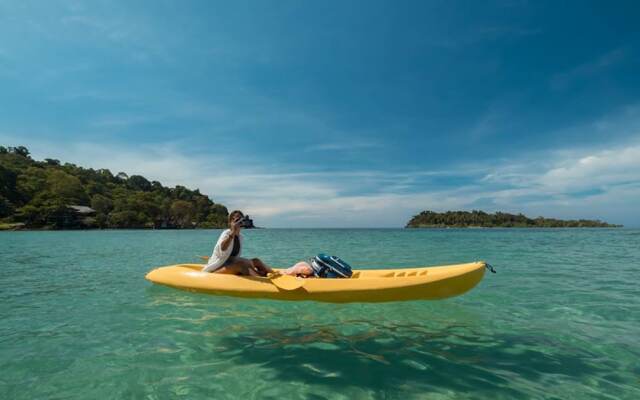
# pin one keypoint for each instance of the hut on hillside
(79, 216)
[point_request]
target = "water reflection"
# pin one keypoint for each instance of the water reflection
(451, 357)
(376, 348)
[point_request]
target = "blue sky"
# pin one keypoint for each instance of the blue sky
(323, 114)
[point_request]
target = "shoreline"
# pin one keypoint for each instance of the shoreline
(325, 228)
(515, 227)
(49, 229)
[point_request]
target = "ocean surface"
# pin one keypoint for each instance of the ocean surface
(560, 319)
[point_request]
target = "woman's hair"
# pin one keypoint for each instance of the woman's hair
(234, 213)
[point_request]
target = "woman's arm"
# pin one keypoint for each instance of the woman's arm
(233, 232)
(227, 241)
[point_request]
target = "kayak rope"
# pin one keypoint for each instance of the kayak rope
(489, 267)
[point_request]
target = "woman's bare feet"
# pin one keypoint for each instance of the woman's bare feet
(261, 268)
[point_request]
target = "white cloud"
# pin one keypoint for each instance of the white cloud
(599, 169)
(567, 172)
(321, 199)
(600, 183)
(274, 198)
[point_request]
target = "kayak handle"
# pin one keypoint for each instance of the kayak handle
(490, 267)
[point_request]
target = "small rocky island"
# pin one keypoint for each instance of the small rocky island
(481, 219)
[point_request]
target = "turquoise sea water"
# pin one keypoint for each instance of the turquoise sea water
(560, 319)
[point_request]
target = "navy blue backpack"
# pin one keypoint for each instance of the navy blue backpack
(325, 266)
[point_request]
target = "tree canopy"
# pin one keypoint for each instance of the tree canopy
(475, 218)
(40, 193)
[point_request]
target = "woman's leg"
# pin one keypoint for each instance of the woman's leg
(238, 266)
(262, 268)
(302, 268)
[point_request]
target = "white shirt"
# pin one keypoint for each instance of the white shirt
(219, 256)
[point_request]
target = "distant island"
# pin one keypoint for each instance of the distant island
(480, 219)
(51, 195)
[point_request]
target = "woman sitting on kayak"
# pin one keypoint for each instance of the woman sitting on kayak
(226, 259)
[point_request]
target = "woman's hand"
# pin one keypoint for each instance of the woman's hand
(235, 227)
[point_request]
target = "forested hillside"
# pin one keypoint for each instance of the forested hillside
(49, 194)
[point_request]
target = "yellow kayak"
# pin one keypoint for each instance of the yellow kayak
(373, 285)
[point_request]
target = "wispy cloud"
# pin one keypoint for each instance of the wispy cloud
(254, 110)
(141, 41)
(346, 145)
(554, 186)
(602, 169)
(475, 35)
(124, 120)
(569, 172)
(509, 30)
(563, 80)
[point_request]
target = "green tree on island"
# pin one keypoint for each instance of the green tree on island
(475, 218)
(49, 194)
